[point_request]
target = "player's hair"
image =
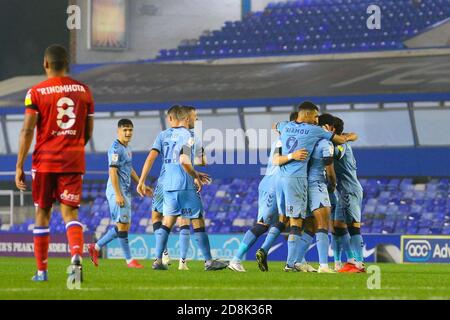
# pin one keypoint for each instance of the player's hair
(57, 57)
(338, 124)
(124, 123)
(172, 109)
(326, 118)
(307, 106)
(189, 108)
(180, 113)
(293, 116)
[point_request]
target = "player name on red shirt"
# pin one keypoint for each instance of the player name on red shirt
(61, 89)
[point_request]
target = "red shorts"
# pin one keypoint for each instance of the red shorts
(47, 187)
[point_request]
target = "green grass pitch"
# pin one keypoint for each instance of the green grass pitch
(113, 280)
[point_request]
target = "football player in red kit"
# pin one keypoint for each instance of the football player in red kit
(61, 109)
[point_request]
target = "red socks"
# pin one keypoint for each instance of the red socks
(41, 237)
(74, 231)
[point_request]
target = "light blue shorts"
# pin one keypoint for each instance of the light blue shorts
(348, 208)
(158, 199)
(292, 196)
(186, 203)
(119, 214)
(267, 207)
(317, 196)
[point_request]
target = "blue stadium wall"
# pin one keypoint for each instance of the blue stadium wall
(372, 162)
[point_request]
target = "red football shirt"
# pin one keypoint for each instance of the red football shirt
(63, 105)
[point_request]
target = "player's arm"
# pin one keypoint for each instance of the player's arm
(114, 176)
(200, 178)
(200, 159)
(147, 190)
(274, 126)
(134, 176)
(148, 165)
(25, 140)
(278, 126)
(89, 129)
(343, 138)
(297, 155)
(331, 175)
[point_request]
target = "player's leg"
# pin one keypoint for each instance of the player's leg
(43, 186)
(296, 191)
(263, 252)
(74, 232)
(306, 239)
(341, 234)
(354, 229)
(335, 245)
(41, 239)
(357, 244)
(157, 216)
(267, 215)
(113, 232)
(309, 229)
(294, 240)
(192, 208)
(337, 249)
(249, 239)
(185, 240)
(322, 216)
(68, 192)
(272, 236)
(162, 237)
(123, 226)
(202, 239)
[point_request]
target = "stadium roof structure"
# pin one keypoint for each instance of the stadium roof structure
(149, 85)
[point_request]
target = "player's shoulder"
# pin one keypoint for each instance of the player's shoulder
(116, 146)
(42, 84)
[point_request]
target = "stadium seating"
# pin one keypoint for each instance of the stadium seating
(312, 27)
(390, 206)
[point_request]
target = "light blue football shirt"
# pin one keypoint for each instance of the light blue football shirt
(297, 135)
(324, 149)
(171, 143)
(345, 168)
(120, 157)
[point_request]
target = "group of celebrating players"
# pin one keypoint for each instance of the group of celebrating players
(310, 185)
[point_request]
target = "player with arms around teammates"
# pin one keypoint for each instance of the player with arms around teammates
(267, 207)
(118, 193)
(61, 109)
(320, 175)
(182, 185)
(347, 214)
(292, 184)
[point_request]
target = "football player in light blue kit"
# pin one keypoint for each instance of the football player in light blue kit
(292, 184)
(267, 207)
(182, 185)
(118, 193)
(157, 205)
(319, 206)
(340, 236)
(348, 211)
(263, 252)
